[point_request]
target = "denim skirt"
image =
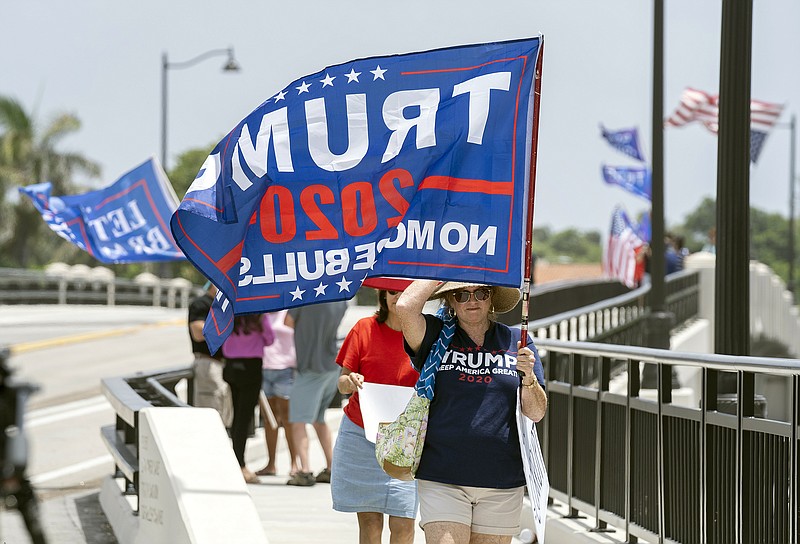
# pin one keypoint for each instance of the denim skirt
(359, 484)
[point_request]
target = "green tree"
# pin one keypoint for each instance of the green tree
(698, 224)
(188, 165)
(181, 177)
(768, 241)
(768, 234)
(571, 244)
(28, 155)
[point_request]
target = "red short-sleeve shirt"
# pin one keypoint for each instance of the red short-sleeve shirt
(376, 351)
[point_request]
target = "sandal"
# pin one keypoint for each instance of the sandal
(265, 472)
(249, 477)
(303, 479)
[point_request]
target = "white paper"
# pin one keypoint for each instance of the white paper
(535, 471)
(381, 403)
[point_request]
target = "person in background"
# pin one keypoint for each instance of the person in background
(244, 352)
(372, 352)
(315, 329)
(642, 257)
(673, 258)
(471, 478)
(277, 378)
(711, 245)
(210, 390)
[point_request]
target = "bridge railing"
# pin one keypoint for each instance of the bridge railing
(622, 319)
(83, 285)
(128, 395)
(664, 472)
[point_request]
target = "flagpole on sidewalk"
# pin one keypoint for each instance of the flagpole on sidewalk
(526, 283)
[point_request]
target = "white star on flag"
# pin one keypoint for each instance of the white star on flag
(352, 76)
(377, 73)
(303, 88)
(280, 96)
(328, 81)
(320, 289)
(297, 294)
(344, 285)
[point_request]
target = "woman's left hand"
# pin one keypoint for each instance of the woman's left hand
(525, 362)
(533, 396)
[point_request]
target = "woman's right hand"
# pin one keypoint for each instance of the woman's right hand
(350, 382)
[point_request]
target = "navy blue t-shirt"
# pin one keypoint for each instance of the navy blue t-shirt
(472, 427)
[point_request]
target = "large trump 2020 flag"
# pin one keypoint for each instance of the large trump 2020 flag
(414, 165)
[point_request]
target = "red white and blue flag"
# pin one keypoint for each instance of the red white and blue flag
(704, 107)
(126, 222)
(619, 261)
(414, 166)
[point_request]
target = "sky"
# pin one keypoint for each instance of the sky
(101, 61)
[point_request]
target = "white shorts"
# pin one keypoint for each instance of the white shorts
(484, 510)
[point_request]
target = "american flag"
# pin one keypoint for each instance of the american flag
(703, 107)
(619, 261)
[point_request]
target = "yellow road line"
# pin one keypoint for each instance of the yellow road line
(26, 347)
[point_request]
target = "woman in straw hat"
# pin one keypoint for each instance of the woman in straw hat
(470, 478)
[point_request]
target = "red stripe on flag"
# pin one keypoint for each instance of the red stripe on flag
(230, 259)
(459, 185)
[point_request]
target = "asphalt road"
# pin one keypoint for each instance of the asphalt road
(67, 351)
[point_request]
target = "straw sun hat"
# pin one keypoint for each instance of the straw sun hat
(503, 298)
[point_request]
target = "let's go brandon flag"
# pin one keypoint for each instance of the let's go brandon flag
(125, 222)
(414, 166)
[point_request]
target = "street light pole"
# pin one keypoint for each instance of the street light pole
(792, 182)
(164, 68)
(230, 66)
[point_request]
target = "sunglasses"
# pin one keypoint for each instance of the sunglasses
(480, 294)
(393, 293)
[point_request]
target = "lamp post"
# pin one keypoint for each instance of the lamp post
(230, 66)
(792, 181)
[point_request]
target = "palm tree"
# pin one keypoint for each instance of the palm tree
(28, 155)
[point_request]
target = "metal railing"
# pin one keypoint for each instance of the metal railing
(40, 287)
(127, 396)
(622, 319)
(663, 472)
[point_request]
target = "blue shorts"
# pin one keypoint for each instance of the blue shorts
(359, 484)
(277, 383)
(312, 393)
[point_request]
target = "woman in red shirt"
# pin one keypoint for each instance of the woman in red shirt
(372, 352)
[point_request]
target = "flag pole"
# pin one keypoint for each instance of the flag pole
(526, 284)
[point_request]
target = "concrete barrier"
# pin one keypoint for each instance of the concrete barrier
(191, 490)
